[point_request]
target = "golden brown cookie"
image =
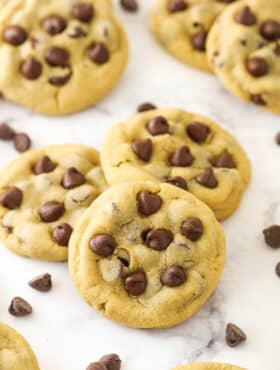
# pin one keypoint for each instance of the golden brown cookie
(208, 366)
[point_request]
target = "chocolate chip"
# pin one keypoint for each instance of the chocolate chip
(44, 165)
(178, 181)
(19, 307)
(159, 239)
(158, 126)
(182, 157)
(234, 335)
(59, 80)
(144, 107)
(136, 283)
(143, 149)
(111, 362)
(175, 6)
(272, 236)
(34, 42)
(72, 178)
(22, 142)
(199, 41)
(11, 198)
(83, 12)
(77, 33)
(173, 276)
(224, 160)
(246, 17)
(103, 245)
(258, 99)
(277, 50)
(277, 269)
(96, 366)
(257, 67)
(198, 131)
(129, 5)
(148, 203)
(54, 24)
(6, 132)
(62, 234)
(277, 138)
(31, 68)
(98, 53)
(15, 35)
(42, 283)
(51, 211)
(207, 179)
(192, 228)
(270, 30)
(57, 57)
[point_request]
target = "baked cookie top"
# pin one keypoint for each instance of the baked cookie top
(208, 366)
(42, 195)
(182, 148)
(244, 51)
(147, 255)
(60, 56)
(15, 352)
(182, 26)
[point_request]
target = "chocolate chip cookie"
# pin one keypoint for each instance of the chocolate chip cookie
(244, 51)
(59, 57)
(42, 195)
(208, 366)
(147, 255)
(183, 149)
(15, 352)
(182, 26)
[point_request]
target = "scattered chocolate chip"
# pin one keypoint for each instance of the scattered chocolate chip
(83, 12)
(31, 68)
(103, 245)
(158, 126)
(19, 307)
(246, 17)
(44, 165)
(51, 211)
(277, 50)
(98, 53)
(258, 99)
(270, 30)
(198, 131)
(192, 229)
(96, 366)
(22, 142)
(59, 80)
(15, 35)
(62, 234)
(277, 138)
(6, 132)
(77, 33)
(173, 276)
(182, 157)
(175, 6)
(148, 203)
(11, 198)
(57, 57)
(34, 42)
(207, 178)
(136, 283)
(42, 283)
(143, 149)
(129, 5)
(144, 107)
(199, 41)
(72, 178)
(159, 239)
(224, 160)
(178, 181)
(257, 67)
(111, 362)
(277, 269)
(54, 24)
(234, 335)
(272, 236)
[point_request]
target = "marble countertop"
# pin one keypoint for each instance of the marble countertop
(65, 333)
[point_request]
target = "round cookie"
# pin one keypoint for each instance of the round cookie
(42, 195)
(208, 366)
(15, 352)
(244, 51)
(183, 148)
(181, 27)
(61, 56)
(147, 255)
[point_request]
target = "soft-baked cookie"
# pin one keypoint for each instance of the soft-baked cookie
(244, 51)
(147, 255)
(208, 366)
(15, 352)
(61, 56)
(42, 195)
(185, 149)
(181, 27)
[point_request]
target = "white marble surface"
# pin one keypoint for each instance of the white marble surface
(64, 332)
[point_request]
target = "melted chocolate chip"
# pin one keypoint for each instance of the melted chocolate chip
(257, 67)
(192, 229)
(277, 50)
(136, 283)
(11, 198)
(207, 179)
(44, 165)
(15, 35)
(6, 132)
(175, 6)
(59, 80)
(148, 203)
(42, 283)
(234, 335)
(173, 276)
(51, 211)
(57, 57)
(99, 53)
(77, 33)
(224, 160)
(31, 68)
(182, 157)
(144, 107)
(246, 17)
(62, 234)
(272, 236)
(19, 307)
(199, 41)
(54, 25)
(103, 245)
(129, 5)
(257, 99)
(143, 149)
(158, 126)
(83, 12)
(159, 239)
(72, 178)
(111, 362)
(198, 131)
(270, 30)
(178, 181)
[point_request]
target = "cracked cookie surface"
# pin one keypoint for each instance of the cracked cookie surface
(61, 56)
(42, 195)
(15, 352)
(185, 149)
(147, 255)
(208, 366)
(244, 51)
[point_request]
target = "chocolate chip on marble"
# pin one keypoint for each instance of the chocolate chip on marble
(99, 53)
(54, 25)
(272, 236)
(22, 142)
(57, 57)
(224, 160)
(158, 126)
(234, 335)
(129, 5)
(84, 12)
(270, 30)
(77, 33)
(96, 366)
(207, 178)
(51, 211)
(159, 239)
(277, 269)
(42, 283)
(19, 307)
(143, 149)
(148, 203)
(257, 99)
(246, 17)
(257, 67)
(111, 361)
(136, 283)
(72, 178)
(199, 41)
(182, 157)
(15, 35)
(103, 245)
(11, 198)
(59, 80)
(192, 228)
(6, 132)
(62, 234)
(277, 138)
(198, 131)
(175, 6)
(44, 165)
(173, 276)
(31, 68)
(178, 181)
